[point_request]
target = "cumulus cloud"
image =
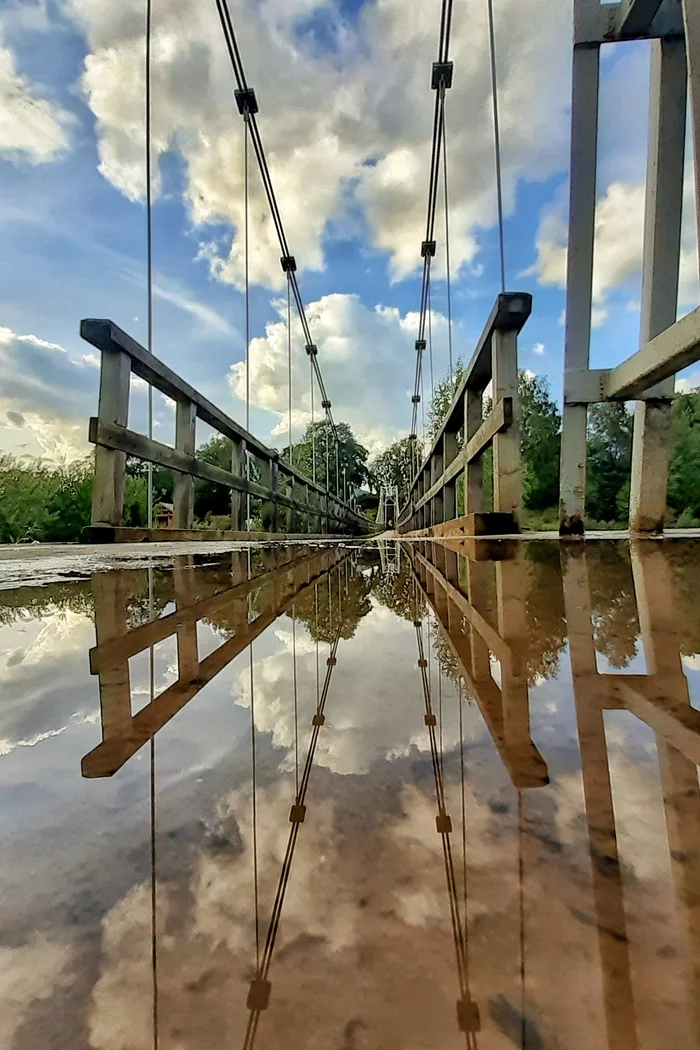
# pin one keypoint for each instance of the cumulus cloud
(32, 128)
(47, 393)
(352, 120)
(368, 360)
(619, 230)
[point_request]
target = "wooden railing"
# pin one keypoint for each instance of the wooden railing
(249, 605)
(292, 503)
(465, 436)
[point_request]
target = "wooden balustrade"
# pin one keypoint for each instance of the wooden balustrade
(465, 436)
(308, 508)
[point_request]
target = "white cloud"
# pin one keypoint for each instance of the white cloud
(538, 349)
(688, 383)
(351, 121)
(368, 361)
(32, 128)
(619, 229)
(46, 393)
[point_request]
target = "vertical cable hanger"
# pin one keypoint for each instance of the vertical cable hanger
(246, 256)
(289, 366)
(151, 661)
(313, 429)
(296, 705)
(497, 140)
(447, 242)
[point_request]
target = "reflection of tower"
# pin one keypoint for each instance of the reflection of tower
(390, 556)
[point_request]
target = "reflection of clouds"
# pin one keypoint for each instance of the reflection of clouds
(27, 974)
(120, 1016)
(43, 676)
(382, 709)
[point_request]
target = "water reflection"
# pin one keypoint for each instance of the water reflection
(401, 795)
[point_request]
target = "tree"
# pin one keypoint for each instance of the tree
(684, 468)
(609, 460)
(539, 443)
(351, 455)
(442, 398)
(396, 466)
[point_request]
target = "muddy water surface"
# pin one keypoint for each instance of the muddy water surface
(415, 796)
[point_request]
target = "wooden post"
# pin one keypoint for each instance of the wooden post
(238, 499)
(275, 485)
(437, 513)
(108, 486)
(579, 281)
(507, 483)
(450, 450)
(183, 484)
(651, 446)
(474, 471)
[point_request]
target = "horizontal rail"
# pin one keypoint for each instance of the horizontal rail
(499, 418)
(432, 497)
(120, 355)
(669, 352)
(110, 435)
(510, 312)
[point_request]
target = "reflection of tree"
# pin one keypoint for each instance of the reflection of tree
(338, 613)
(683, 557)
(615, 623)
(544, 609)
(34, 602)
(446, 658)
(397, 591)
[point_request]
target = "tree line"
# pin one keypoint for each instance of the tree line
(51, 503)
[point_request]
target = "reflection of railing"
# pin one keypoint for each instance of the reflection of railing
(308, 507)
(432, 499)
(123, 733)
(659, 698)
(504, 707)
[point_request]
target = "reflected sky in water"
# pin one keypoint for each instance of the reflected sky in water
(392, 795)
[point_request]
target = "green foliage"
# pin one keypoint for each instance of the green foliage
(684, 468)
(396, 466)
(319, 440)
(442, 398)
(609, 459)
(540, 441)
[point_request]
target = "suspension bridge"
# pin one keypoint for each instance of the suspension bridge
(269, 488)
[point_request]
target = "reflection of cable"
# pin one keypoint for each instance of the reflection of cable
(296, 703)
(521, 917)
(259, 992)
(467, 1010)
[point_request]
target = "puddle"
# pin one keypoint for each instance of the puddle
(361, 796)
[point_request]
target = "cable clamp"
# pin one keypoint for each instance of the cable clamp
(311, 349)
(427, 248)
(442, 75)
(246, 101)
(288, 263)
(420, 344)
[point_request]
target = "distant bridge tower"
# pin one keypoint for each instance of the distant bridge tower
(388, 510)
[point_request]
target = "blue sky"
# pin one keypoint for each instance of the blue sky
(345, 112)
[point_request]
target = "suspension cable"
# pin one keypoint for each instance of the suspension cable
(441, 80)
(149, 247)
(149, 513)
(313, 429)
(247, 103)
(289, 367)
(246, 264)
(447, 249)
(497, 140)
